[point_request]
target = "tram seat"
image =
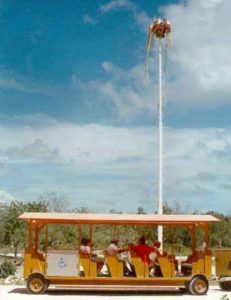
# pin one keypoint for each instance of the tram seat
(141, 267)
(167, 267)
(89, 266)
(203, 263)
(115, 266)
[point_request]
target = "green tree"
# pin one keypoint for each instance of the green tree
(55, 201)
(14, 230)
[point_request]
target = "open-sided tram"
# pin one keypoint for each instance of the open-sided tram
(71, 267)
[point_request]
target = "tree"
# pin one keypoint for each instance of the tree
(55, 201)
(140, 211)
(220, 231)
(14, 230)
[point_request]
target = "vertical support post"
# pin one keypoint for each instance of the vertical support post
(160, 145)
(116, 232)
(206, 232)
(46, 241)
(36, 237)
(46, 248)
(194, 242)
(80, 234)
(30, 235)
(91, 232)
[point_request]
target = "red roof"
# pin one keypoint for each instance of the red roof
(76, 218)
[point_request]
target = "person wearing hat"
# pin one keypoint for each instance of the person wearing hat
(113, 249)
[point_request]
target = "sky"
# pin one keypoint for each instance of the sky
(76, 117)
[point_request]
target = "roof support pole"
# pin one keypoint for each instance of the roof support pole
(36, 236)
(194, 242)
(46, 239)
(30, 235)
(80, 234)
(206, 233)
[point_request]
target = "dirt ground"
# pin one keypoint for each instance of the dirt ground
(20, 293)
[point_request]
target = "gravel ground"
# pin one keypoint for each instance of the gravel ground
(20, 293)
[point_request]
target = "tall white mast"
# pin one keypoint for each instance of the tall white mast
(160, 30)
(160, 143)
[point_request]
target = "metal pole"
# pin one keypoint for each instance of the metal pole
(160, 145)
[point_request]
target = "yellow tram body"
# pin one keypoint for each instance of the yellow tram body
(40, 269)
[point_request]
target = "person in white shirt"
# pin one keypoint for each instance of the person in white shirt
(85, 246)
(113, 249)
(86, 250)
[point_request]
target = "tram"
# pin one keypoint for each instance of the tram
(100, 269)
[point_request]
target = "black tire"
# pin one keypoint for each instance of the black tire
(36, 284)
(198, 285)
(48, 283)
(225, 285)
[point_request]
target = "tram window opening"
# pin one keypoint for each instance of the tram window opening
(42, 240)
(63, 236)
(200, 237)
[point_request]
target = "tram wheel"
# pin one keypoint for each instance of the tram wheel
(225, 285)
(198, 285)
(36, 284)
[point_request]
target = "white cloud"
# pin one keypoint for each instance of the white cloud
(126, 91)
(6, 199)
(198, 75)
(196, 169)
(67, 142)
(116, 4)
(11, 82)
(140, 16)
(89, 20)
(142, 19)
(201, 54)
(35, 151)
(127, 102)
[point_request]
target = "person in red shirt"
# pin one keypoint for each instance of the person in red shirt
(142, 250)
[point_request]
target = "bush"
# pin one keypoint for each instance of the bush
(7, 268)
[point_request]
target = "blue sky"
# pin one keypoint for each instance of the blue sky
(75, 116)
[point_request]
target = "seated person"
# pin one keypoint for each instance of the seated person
(142, 250)
(114, 250)
(85, 246)
(154, 265)
(171, 257)
(186, 266)
(85, 250)
(156, 248)
(191, 258)
(146, 253)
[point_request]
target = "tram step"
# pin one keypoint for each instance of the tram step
(120, 288)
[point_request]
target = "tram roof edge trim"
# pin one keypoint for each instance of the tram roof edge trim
(116, 218)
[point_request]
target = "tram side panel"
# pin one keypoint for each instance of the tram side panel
(223, 268)
(62, 263)
(34, 262)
